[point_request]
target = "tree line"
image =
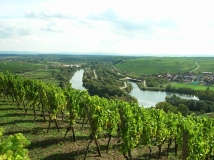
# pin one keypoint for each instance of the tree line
(205, 104)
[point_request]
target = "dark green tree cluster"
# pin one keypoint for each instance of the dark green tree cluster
(155, 82)
(167, 107)
(169, 88)
(151, 82)
(185, 106)
(206, 95)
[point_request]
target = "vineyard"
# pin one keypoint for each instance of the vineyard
(162, 65)
(131, 126)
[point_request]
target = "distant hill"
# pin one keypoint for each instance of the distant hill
(105, 53)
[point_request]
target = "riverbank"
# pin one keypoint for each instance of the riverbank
(176, 87)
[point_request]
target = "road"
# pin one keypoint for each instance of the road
(125, 85)
(95, 75)
(196, 68)
(144, 83)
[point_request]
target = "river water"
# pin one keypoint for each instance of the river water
(151, 98)
(76, 80)
(145, 98)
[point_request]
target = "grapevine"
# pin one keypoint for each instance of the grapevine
(13, 147)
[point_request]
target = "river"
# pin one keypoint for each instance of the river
(151, 98)
(76, 80)
(145, 98)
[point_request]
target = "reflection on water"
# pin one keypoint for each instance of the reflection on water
(151, 98)
(76, 80)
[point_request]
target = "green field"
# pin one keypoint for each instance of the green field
(42, 74)
(30, 70)
(207, 115)
(192, 86)
(14, 67)
(162, 65)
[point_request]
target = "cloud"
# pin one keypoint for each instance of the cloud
(163, 23)
(110, 16)
(130, 24)
(112, 26)
(11, 31)
(45, 14)
(41, 39)
(51, 27)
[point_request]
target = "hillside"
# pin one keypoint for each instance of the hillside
(161, 65)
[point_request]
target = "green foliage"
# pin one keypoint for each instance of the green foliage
(167, 107)
(152, 82)
(171, 88)
(183, 109)
(197, 106)
(206, 95)
(13, 147)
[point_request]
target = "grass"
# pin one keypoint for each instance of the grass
(31, 70)
(162, 65)
(50, 146)
(207, 115)
(14, 67)
(44, 74)
(206, 64)
(192, 86)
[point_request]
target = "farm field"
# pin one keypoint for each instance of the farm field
(13, 67)
(162, 65)
(31, 70)
(42, 74)
(192, 86)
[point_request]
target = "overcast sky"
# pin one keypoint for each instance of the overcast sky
(176, 27)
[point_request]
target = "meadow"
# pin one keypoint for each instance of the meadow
(16, 67)
(192, 86)
(162, 65)
(30, 70)
(44, 74)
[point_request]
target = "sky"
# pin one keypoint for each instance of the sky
(144, 27)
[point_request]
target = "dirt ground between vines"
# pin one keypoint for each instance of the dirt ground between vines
(53, 146)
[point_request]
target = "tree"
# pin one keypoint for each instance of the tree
(173, 100)
(167, 107)
(183, 109)
(206, 79)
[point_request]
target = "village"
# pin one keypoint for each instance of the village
(206, 78)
